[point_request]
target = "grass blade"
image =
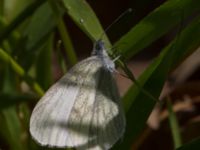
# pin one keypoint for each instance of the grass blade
(154, 26)
(138, 105)
(19, 19)
(85, 18)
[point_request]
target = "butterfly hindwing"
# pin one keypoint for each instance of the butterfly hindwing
(108, 121)
(81, 110)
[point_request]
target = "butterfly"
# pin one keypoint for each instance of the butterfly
(82, 109)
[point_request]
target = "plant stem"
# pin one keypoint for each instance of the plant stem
(174, 125)
(69, 49)
(20, 71)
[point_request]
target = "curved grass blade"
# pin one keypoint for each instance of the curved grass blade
(156, 24)
(138, 105)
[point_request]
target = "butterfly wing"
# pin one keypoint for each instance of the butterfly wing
(77, 111)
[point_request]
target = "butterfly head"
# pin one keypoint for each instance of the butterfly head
(99, 48)
(99, 45)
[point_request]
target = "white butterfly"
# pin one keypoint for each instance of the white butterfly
(83, 109)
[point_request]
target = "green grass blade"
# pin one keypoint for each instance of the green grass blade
(44, 60)
(19, 19)
(156, 24)
(174, 125)
(85, 18)
(14, 8)
(12, 124)
(10, 115)
(138, 105)
(41, 23)
(34, 35)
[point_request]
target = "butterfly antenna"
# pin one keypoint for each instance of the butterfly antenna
(116, 20)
